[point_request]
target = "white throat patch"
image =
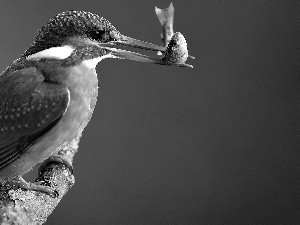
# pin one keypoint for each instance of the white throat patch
(92, 63)
(62, 52)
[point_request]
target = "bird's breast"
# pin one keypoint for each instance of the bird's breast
(82, 83)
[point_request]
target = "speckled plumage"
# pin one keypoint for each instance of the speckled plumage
(46, 102)
(28, 109)
(71, 24)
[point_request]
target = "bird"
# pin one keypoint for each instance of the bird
(47, 96)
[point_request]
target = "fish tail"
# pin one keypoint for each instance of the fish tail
(165, 16)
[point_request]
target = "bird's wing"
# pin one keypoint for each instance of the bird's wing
(29, 107)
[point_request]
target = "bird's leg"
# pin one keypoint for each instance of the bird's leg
(57, 159)
(21, 183)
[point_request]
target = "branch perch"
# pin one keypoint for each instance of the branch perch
(23, 207)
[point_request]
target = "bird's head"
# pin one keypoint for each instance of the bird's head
(89, 37)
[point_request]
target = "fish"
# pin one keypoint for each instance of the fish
(175, 43)
(176, 52)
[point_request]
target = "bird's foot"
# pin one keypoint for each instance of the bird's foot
(57, 159)
(37, 186)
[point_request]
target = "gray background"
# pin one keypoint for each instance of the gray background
(216, 144)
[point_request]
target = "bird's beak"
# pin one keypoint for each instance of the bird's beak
(134, 43)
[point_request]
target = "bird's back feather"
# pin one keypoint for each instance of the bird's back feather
(29, 107)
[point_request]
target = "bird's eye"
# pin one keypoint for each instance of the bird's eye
(105, 36)
(99, 35)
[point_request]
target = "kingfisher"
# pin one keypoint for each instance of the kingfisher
(47, 96)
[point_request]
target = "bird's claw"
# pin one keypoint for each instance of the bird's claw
(37, 186)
